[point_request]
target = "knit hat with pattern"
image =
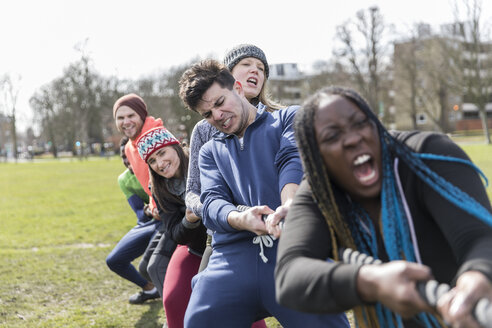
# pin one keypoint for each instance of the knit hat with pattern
(134, 102)
(153, 140)
(243, 51)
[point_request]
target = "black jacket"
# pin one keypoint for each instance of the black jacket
(450, 240)
(173, 223)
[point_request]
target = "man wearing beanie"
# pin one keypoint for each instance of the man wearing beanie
(253, 161)
(132, 120)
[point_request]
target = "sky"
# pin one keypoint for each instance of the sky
(131, 39)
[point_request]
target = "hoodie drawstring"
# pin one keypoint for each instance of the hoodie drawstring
(264, 240)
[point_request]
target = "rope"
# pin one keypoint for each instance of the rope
(263, 240)
(430, 290)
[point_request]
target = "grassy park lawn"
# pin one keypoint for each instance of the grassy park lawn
(58, 221)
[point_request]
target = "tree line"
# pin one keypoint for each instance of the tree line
(78, 105)
(425, 71)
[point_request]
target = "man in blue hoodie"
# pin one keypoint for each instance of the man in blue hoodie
(252, 161)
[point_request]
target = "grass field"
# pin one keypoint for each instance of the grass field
(58, 221)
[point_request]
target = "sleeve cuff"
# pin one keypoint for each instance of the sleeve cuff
(190, 225)
(480, 265)
(346, 285)
(223, 215)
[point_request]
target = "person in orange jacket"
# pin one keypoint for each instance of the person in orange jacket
(132, 120)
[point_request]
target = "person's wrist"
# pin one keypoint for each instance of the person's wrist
(190, 224)
(233, 219)
(366, 284)
(193, 219)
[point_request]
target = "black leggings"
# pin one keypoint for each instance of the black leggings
(156, 259)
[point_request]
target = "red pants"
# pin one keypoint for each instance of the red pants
(177, 287)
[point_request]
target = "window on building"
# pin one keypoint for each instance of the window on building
(280, 70)
(421, 118)
(472, 115)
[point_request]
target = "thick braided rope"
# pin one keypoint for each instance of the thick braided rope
(430, 290)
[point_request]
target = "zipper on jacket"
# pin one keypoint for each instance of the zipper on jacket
(241, 142)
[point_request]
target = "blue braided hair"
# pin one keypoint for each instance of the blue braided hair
(349, 223)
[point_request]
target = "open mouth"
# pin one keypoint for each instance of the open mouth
(128, 127)
(128, 130)
(252, 80)
(364, 169)
(225, 125)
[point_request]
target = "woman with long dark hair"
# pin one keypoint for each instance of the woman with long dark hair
(412, 200)
(168, 165)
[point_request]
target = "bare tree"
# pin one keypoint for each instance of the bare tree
(43, 102)
(364, 57)
(406, 77)
(10, 87)
(161, 94)
(186, 118)
(326, 73)
(427, 77)
(76, 106)
(477, 58)
(440, 76)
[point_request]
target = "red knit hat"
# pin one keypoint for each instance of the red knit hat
(153, 140)
(134, 102)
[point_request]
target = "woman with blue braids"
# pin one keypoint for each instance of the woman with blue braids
(413, 200)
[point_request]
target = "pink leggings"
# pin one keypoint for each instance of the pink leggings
(259, 324)
(177, 287)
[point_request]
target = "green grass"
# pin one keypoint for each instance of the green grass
(58, 221)
(58, 203)
(481, 155)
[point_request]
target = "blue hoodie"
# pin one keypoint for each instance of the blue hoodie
(252, 174)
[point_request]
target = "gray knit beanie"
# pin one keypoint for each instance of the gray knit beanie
(242, 51)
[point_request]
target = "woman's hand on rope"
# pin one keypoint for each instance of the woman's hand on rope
(394, 285)
(456, 305)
